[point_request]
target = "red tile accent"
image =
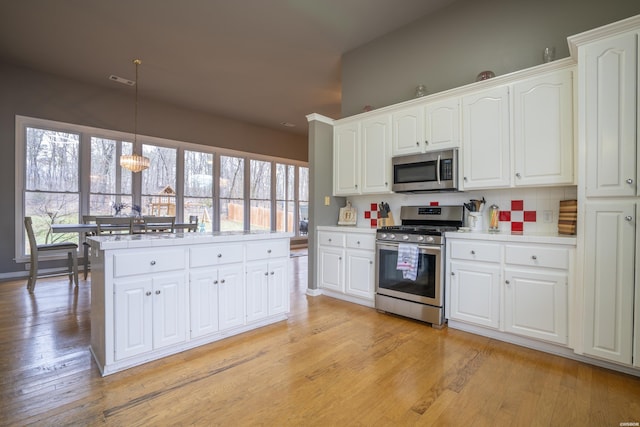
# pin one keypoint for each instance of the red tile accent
(374, 223)
(374, 206)
(504, 216)
(517, 226)
(367, 214)
(517, 205)
(434, 203)
(529, 216)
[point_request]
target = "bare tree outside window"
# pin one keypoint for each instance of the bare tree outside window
(159, 181)
(260, 196)
(198, 188)
(231, 193)
(109, 183)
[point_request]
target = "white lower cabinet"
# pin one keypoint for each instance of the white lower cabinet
(346, 264)
(267, 289)
(150, 313)
(510, 287)
(475, 293)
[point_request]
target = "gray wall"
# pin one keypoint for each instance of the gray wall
(29, 93)
(448, 49)
(320, 185)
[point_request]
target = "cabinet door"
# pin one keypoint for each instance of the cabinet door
(169, 310)
(346, 159)
(376, 155)
(408, 131)
(475, 293)
(257, 291)
(610, 85)
(203, 302)
(543, 129)
(485, 141)
(330, 269)
(442, 124)
(133, 315)
(609, 279)
(231, 294)
(536, 304)
(360, 273)
(278, 287)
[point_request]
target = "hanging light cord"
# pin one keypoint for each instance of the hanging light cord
(135, 116)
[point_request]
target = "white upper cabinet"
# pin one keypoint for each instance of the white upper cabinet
(408, 131)
(442, 124)
(361, 157)
(346, 159)
(610, 96)
(428, 127)
(543, 129)
(485, 142)
(376, 153)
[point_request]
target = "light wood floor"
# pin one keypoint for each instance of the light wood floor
(331, 364)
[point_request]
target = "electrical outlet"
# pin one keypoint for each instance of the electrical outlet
(327, 200)
(547, 216)
(27, 266)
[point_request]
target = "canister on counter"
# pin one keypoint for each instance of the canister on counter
(494, 216)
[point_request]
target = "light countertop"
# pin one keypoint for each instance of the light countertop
(125, 241)
(553, 238)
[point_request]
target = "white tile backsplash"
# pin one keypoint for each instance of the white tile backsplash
(540, 199)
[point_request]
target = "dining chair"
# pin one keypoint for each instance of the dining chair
(87, 219)
(159, 224)
(71, 249)
(193, 223)
(114, 225)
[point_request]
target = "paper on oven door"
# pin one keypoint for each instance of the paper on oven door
(408, 260)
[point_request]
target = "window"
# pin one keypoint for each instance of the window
(231, 193)
(65, 171)
(109, 183)
(198, 188)
(260, 195)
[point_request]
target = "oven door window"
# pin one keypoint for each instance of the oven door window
(426, 287)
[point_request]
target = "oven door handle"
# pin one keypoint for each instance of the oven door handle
(438, 169)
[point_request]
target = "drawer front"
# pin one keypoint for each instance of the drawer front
(537, 256)
(212, 255)
(361, 241)
(131, 263)
(328, 238)
(475, 251)
(267, 249)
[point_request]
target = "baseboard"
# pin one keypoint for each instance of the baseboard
(313, 292)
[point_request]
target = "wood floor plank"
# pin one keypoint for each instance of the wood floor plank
(332, 363)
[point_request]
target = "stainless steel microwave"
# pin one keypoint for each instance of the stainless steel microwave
(433, 171)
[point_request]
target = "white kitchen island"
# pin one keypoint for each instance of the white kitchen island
(154, 295)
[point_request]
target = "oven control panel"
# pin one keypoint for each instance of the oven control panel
(408, 238)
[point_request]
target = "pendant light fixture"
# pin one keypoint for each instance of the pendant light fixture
(135, 162)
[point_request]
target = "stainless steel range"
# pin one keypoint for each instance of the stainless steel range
(420, 238)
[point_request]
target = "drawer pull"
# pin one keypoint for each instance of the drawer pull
(533, 257)
(215, 282)
(219, 255)
(266, 273)
(358, 242)
(329, 239)
(272, 273)
(473, 252)
(153, 263)
(222, 281)
(158, 292)
(268, 251)
(148, 293)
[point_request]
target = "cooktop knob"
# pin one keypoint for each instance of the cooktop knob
(405, 237)
(420, 238)
(384, 235)
(392, 236)
(430, 239)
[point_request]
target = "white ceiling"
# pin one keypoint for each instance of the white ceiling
(260, 61)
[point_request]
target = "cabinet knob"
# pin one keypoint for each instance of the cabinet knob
(426, 142)
(358, 242)
(215, 282)
(152, 263)
(158, 292)
(465, 179)
(630, 181)
(453, 273)
(329, 239)
(272, 273)
(266, 273)
(219, 255)
(222, 281)
(370, 262)
(628, 217)
(533, 257)
(386, 184)
(148, 293)
(417, 143)
(473, 252)
(507, 282)
(356, 185)
(268, 251)
(518, 175)
(339, 258)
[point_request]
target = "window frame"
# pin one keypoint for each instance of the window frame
(84, 169)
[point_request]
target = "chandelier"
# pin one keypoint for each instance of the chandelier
(135, 162)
